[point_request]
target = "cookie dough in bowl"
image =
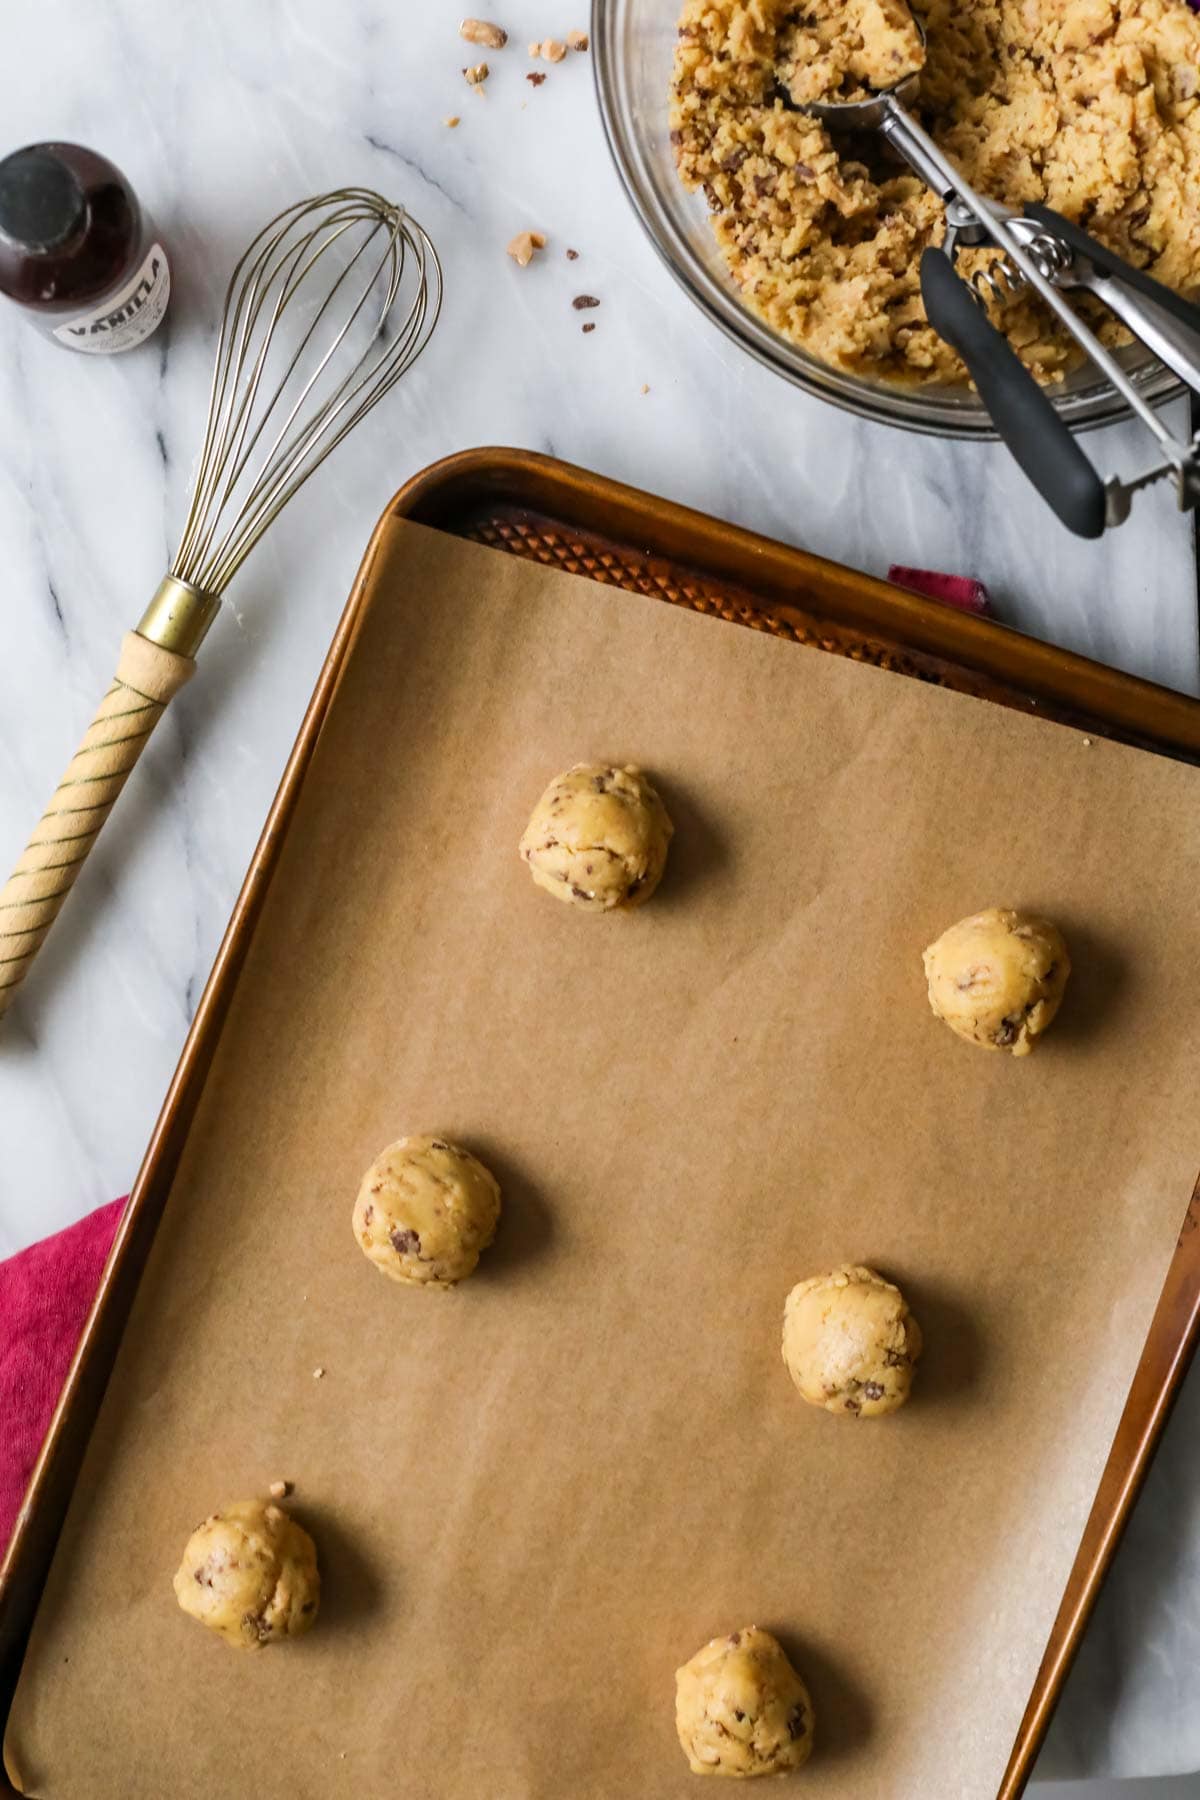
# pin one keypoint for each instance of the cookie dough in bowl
(425, 1211)
(598, 838)
(997, 978)
(847, 49)
(741, 1709)
(1089, 106)
(850, 1343)
(250, 1574)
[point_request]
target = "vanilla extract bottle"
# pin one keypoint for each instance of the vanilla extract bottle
(77, 253)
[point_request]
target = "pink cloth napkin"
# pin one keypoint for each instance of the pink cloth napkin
(45, 1293)
(956, 590)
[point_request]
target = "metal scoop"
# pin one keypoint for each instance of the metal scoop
(1044, 252)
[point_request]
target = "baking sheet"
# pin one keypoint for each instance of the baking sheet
(535, 1496)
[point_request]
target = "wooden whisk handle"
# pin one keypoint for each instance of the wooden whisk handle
(147, 678)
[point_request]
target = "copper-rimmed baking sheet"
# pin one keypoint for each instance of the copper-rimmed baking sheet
(534, 1496)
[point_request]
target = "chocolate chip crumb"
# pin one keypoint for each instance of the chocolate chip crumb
(873, 1390)
(572, 256)
(438, 1144)
(580, 893)
(582, 301)
(535, 78)
(405, 1242)
(587, 328)
(796, 1723)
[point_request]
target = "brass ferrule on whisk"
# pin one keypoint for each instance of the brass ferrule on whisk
(179, 616)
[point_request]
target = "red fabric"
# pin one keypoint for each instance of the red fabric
(45, 1293)
(955, 590)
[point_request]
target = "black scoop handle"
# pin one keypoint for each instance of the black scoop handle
(1020, 410)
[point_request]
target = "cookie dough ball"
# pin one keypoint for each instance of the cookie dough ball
(250, 1574)
(598, 838)
(741, 1708)
(850, 1342)
(997, 978)
(425, 1210)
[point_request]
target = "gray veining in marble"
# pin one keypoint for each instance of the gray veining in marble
(221, 112)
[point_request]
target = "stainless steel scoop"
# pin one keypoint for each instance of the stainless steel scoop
(1045, 252)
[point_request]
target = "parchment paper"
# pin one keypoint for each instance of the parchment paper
(537, 1495)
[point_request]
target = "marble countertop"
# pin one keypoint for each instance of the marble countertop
(220, 114)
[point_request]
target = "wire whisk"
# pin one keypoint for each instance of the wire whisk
(330, 305)
(283, 268)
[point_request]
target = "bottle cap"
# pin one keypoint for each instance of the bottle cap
(42, 202)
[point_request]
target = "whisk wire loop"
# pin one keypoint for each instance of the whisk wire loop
(361, 335)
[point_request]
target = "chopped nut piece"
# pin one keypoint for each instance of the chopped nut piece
(582, 301)
(535, 49)
(317, 1373)
(482, 31)
(645, 387)
(536, 77)
(522, 247)
(552, 50)
(452, 121)
(477, 75)
(279, 1490)
(578, 40)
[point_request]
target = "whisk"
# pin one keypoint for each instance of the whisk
(362, 283)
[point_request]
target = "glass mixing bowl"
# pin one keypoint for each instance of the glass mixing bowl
(633, 43)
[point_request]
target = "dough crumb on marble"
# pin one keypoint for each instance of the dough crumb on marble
(482, 31)
(741, 1709)
(997, 978)
(597, 839)
(523, 247)
(425, 1211)
(249, 1573)
(850, 1343)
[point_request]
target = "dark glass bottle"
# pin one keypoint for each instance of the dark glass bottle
(76, 250)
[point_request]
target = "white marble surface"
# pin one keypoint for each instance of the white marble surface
(221, 112)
